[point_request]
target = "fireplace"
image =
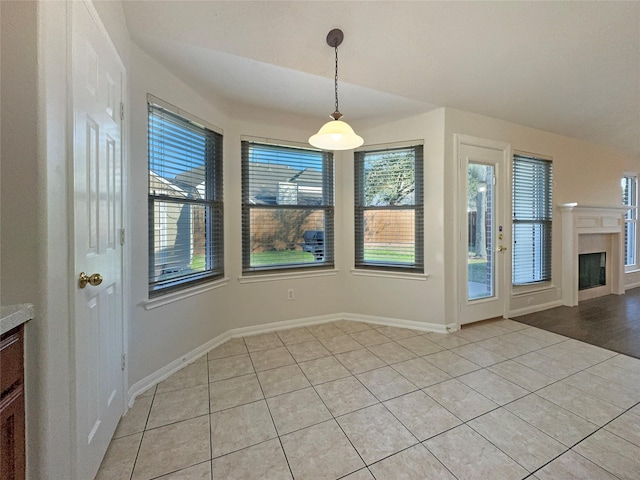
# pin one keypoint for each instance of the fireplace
(594, 235)
(592, 270)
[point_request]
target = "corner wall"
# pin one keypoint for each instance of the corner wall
(159, 336)
(404, 299)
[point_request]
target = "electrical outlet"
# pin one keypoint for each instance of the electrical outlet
(290, 294)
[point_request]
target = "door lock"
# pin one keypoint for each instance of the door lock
(94, 280)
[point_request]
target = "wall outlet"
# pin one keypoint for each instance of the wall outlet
(290, 294)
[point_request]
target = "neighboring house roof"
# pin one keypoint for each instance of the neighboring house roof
(176, 187)
(270, 179)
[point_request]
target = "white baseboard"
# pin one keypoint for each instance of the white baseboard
(629, 286)
(168, 370)
(398, 322)
(535, 308)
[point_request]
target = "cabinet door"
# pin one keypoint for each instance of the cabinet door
(12, 455)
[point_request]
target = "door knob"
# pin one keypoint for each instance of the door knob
(93, 280)
(501, 248)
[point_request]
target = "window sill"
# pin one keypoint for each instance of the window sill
(182, 294)
(384, 274)
(269, 277)
(528, 290)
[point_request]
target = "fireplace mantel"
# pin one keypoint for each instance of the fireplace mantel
(585, 220)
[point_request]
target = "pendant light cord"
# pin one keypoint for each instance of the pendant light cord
(336, 78)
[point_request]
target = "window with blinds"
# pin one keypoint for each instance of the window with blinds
(532, 219)
(287, 208)
(630, 199)
(389, 210)
(185, 201)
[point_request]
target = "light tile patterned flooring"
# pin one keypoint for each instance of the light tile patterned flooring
(350, 400)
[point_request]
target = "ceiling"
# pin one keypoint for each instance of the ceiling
(570, 67)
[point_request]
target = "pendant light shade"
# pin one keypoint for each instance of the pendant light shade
(336, 134)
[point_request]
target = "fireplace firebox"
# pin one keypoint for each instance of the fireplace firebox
(592, 270)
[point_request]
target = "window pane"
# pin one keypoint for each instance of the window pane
(480, 208)
(389, 178)
(179, 240)
(287, 207)
(389, 236)
(185, 201)
(278, 236)
(389, 209)
(630, 243)
(532, 252)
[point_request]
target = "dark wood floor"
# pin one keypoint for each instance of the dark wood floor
(611, 322)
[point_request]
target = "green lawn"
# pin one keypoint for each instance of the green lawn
(280, 257)
(477, 270)
(197, 263)
(387, 255)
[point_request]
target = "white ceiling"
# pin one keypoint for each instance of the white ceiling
(570, 67)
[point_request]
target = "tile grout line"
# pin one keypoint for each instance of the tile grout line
(144, 430)
(275, 428)
(209, 417)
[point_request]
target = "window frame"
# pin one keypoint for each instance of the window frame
(545, 220)
(360, 208)
(327, 207)
(631, 217)
(213, 201)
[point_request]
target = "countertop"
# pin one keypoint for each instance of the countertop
(12, 316)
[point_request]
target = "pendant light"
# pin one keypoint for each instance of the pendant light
(336, 134)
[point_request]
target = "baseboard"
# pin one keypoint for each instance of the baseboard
(284, 325)
(535, 308)
(168, 370)
(629, 286)
(156, 377)
(398, 322)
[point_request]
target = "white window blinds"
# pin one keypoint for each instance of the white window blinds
(532, 219)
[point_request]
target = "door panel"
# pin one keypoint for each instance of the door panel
(97, 86)
(483, 231)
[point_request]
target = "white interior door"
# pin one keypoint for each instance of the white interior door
(484, 233)
(97, 86)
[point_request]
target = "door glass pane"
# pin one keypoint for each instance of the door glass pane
(480, 207)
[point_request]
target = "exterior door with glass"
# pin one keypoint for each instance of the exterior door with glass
(483, 229)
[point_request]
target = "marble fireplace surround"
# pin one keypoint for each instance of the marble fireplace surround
(590, 229)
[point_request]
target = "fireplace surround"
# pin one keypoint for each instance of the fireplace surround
(591, 229)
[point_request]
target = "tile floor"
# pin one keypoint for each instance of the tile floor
(356, 401)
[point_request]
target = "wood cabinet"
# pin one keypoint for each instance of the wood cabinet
(12, 422)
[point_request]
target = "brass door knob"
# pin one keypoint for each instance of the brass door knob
(501, 248)
(93, 280)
